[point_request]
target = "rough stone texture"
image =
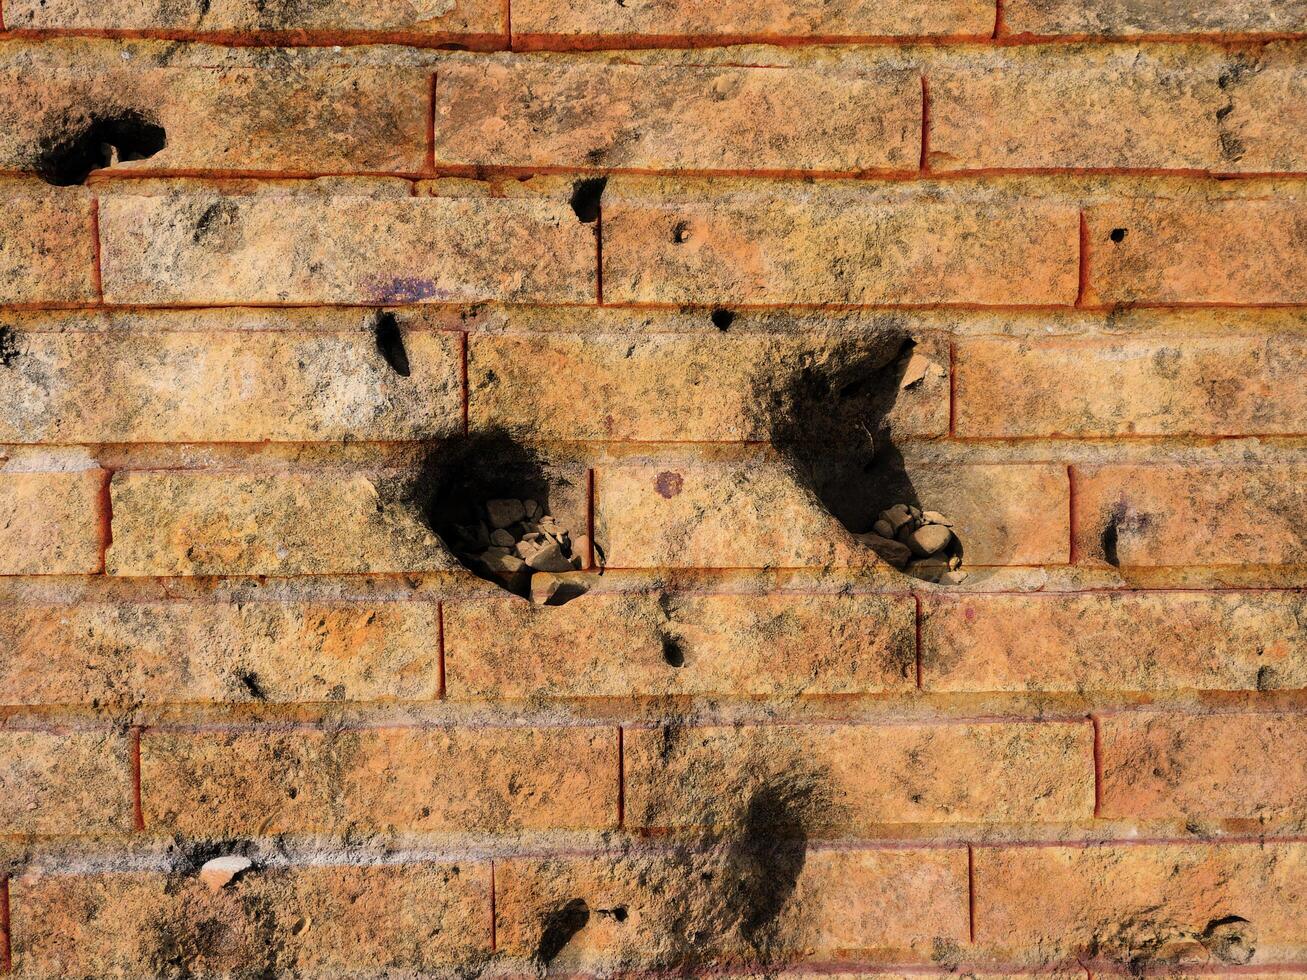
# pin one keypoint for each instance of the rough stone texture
(864, 775)
(655, 118)
(72, 782)
(225, 784)
(47, 245)
(50, 523)
(651, 644)
(1131, 641)
(1122, 18)
(204, 249)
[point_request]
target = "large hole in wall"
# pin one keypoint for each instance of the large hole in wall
(76, 144)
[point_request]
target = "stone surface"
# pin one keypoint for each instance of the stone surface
(47, 245)
(64, 782)
(1123, 18)
(50, 522)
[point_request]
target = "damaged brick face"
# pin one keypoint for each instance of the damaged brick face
(610, 489)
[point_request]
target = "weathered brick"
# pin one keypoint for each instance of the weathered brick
(47, 245)
(270, 523)
(1151, 386)
(1122, 18)
(1232, 766)
(655, 644)
(1196, 251)
(668, 386)
(1234, 903)
(857, 777)
(426, 17)
(1159, 515)
(827, 244)
(540, 22)
(1130, 641)
(304, 119)
(649, 117)
(197, 249)
(1171, 107)
(276, 651)
(443, 779)
(753, 514)
(173, 387)
(50, 522)
(319, 920)
(686, 907)
(64, 782)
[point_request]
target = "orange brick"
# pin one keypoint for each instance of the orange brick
(539, 22)
(47, 246)
(649, 117)
(167, 387)
(277, 651)
(64, 782)
(864, 776)
(474, 17)
(753, 514)
(1231, 766)
(832, 244)
(1119, 903)
(198, 249)
(304, 119)
(1156, 386)
(685, 907)
(50, 522)
(655, 644)
(667, 386)
(1123, 18)
(271, 523)
(1129, 641)
(1166, 107)
(1160, 515)
(1180, 251)
(307, 920)
(219, 783)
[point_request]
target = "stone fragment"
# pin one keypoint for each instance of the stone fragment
(504, 512)
(897, 516)
(928, 569)
(222, 871)
(581, 550)
(884, 528)
(544, 586)
(894, 552)
(929, 539)
(935, 517)
(550, 558)
(953, 578)
(919, 368)
(502, 538)
(532, 509)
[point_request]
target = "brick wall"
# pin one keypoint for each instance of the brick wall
(345, 258)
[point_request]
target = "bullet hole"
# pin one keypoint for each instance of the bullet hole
(390, 342)
(1230, 939)
(560, 926)
(722, 319)
(673, 654)
(1117, 235)
(617, 913)
(95, 142)
(250, 681)
(681, 233)
(8, 346)
(586, 196)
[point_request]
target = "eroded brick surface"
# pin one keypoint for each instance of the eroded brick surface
(64, 782)
(51, 522)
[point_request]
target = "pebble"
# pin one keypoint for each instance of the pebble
(897, 516)
(505, 512)
(929, 538)
(887, 548)
(550, 558)
(222, 871)
(935, 517)
(532, 509)
(884, 528)
(502, 538)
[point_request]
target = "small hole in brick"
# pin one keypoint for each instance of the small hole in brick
(558, 928)
(673, 654)
(94, 143)
(1118, 235)
(586, 196)
(390, 342)
(681, 233)
(618, 913)
(722, 319)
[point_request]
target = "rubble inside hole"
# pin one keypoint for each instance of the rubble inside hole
(921, 543)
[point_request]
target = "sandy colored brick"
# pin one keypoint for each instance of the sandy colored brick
(657, 644)
(1196, 251)
(864, 776)
(754, 514)
(64, 782)
(1218, 766)
(675, 387)
(592, 21)
(325, 920)
(1159, 386)
(50, 522)
(425, 17)
(185, 387)
(1163, 107)
(1104, 641)
(1123, 18)
(754, 896)
(826, 244)
(231, 783)
(47, 245)
(647, 117)
(270, 523)
(283, 652)
(1161, 515)
(198, 249)
(1125, 902)
(300, 119)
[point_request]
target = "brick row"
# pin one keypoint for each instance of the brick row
(1121, 18)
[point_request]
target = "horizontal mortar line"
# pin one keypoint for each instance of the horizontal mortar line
(294, 38)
